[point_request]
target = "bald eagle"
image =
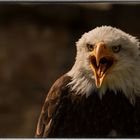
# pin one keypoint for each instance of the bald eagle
(99, 96)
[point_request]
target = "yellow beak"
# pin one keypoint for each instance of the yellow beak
(100, 61)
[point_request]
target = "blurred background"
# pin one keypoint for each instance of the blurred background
(37, 46)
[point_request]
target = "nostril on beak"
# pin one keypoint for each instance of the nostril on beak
(103, 61)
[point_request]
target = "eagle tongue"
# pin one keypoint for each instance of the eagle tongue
(100, 67)
(101, 70)
(100, 74)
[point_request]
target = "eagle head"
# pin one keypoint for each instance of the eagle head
(107, 58)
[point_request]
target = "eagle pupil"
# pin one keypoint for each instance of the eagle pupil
(116, 49)
(90, 47)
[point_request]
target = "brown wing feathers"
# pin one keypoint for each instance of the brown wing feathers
(52, 102)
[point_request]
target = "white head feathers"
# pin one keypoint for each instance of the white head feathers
(125, 74)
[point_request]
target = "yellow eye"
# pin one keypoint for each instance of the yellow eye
(116, 49)
(90, 47)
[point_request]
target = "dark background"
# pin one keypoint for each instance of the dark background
(37, 45)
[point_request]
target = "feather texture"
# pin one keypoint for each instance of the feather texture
(76, 108)
(125, 75)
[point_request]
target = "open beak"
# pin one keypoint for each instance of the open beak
(101, 61)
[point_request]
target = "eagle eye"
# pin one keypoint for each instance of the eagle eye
(116, 49)
(90, 47)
